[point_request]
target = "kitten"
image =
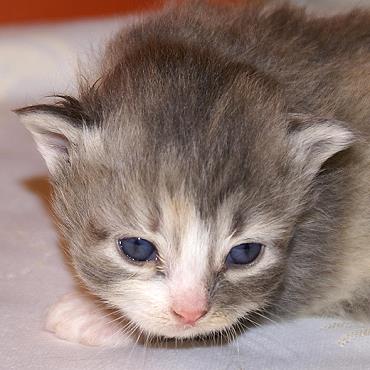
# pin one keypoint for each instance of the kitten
(217, 169)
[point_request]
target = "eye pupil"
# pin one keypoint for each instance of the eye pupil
(244, 254)
(138, 249)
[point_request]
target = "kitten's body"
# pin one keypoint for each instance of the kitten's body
(212, 126)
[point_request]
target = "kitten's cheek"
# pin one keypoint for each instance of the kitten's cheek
(77, 317)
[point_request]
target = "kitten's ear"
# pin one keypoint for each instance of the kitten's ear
(54, 131)
(313, 140)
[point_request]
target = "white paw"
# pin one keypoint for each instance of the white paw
(77, 317)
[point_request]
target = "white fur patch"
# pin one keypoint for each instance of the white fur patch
(76, 317)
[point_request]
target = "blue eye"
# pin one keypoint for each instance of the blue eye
(138, 249)
(244, 254)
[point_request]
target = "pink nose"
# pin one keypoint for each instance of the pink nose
(188, 316)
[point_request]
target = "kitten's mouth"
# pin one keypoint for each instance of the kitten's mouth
(197, 331)
(212, 327)
(193, 334)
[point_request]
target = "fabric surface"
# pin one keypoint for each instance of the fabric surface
(37, 61)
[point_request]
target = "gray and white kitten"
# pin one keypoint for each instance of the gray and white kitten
(217, 169)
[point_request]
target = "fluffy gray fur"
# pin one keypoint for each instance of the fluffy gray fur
(255, 110)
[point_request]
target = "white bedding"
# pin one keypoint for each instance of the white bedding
(37, 61)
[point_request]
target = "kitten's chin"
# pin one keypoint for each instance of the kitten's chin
(172, 331)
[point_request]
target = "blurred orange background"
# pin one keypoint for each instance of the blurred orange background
(50, 10)
(15, 11)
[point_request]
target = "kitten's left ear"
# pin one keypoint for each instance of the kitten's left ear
(56, 129)
(313, 140)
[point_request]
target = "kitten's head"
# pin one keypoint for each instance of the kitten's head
(178, 181)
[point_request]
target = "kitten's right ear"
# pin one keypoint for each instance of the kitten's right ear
(54, 130)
